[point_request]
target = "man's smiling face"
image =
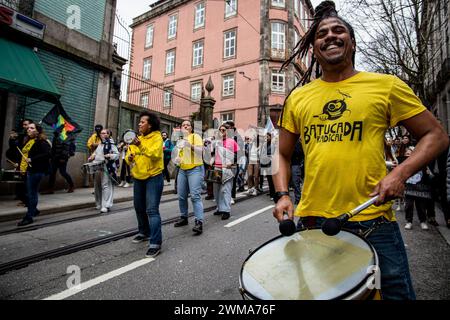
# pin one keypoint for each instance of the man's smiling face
(333, 43)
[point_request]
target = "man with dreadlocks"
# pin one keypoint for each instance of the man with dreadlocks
(341, 118)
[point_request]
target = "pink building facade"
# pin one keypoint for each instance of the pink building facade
(240, 44)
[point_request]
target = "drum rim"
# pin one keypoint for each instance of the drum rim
(345, 294)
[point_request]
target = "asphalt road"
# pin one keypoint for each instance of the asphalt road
(204, 267)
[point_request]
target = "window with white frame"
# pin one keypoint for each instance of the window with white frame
(170, 62)
(229, 116)
(197, 54)
(296, 79)
(302, 14)
(230, 8)
(228, 85)
(172, 28)
(144, 100)
(278, 40)
(278, 3)
(196, 91)
(278, 81)
(296, 36)
(229, 50)
(168, 97)
(199, 20)
(146, 72)
(149, 36)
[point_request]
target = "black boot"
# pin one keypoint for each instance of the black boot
(181, 222)
(198, 228)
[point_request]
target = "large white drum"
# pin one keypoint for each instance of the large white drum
(310, 265)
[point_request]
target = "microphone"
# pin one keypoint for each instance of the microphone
(333, 226)
(287, 227)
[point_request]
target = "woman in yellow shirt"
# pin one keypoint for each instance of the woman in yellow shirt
(145, 157)
(190, 176)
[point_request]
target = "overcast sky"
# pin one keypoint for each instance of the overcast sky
(129, 9)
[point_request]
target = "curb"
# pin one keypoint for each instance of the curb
(19, 215)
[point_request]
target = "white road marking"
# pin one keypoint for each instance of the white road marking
(86, 285)
(251, 215)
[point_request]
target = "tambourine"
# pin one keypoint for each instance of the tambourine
(129, 136)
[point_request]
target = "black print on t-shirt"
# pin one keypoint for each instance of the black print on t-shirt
(335, 132)
(334, 109)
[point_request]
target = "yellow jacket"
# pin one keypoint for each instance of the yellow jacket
(148, 156)
(94, 139)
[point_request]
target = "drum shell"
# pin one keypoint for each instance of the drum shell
(93, 167)
(11, 176)
(359, 292)
(214, 176)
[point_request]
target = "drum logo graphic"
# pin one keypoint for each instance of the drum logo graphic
(334, 109)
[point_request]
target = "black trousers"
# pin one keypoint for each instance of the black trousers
(421, 207)
(125, 172)
(165, 171)
(62, 166)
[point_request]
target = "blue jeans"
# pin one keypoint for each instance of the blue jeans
(387, 240)
(297, 181)
(32, 181)
(147, 196)
(191, 181)
(222, 195)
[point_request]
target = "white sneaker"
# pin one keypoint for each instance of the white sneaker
(424, 226)
(232, 201)
(126, 185)
(121, 184)
(103, 210)
(250, 191)
(408, 226)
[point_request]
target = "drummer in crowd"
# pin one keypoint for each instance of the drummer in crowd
(225, 150)
(16, 142)
(92, 144)
(348, 169)
(145, 157)
(106, 153)
(34, 164)
(190, 176)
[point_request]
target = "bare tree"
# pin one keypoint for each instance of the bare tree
(394, 36)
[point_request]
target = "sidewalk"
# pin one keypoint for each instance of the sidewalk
(62, 201)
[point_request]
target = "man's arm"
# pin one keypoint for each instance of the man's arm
(281, 178)
(432, 140)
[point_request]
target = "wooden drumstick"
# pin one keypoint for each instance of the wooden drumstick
(24, 156)
(13, 163)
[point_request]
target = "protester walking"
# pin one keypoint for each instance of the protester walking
(167, 148)
(61, 152)
(35, 164)
(225, 150)
(190, 176)
(105, 154)
(125, 171)
(146, 159)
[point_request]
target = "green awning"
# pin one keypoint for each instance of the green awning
(22, 72)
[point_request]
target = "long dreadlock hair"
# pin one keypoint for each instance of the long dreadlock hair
(325, 10)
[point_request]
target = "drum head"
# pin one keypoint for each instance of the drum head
(129, 136)
(309, 265)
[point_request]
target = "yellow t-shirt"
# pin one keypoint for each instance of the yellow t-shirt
(148, 156)
(190, 160)
(25, 150)
(342, 127)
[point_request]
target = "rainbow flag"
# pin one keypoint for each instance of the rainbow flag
(58, 119)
